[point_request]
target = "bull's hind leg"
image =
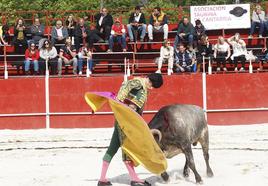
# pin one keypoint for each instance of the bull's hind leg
(187, 150)
(204, 141)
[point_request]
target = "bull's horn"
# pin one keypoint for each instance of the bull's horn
(157, 132)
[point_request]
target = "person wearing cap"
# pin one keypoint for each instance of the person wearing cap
(136, 23)
(134, 93)
(118, 34)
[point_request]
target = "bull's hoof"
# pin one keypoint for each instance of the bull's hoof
(200, 182)
(186, 172)
(210, 173)
(165, 176)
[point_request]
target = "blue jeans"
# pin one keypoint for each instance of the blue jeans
(189, 38)
(81, 63)
(253, 26)
(120, 39)
(27, 64)
(141, 29)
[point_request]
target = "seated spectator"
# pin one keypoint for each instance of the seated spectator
(204, 48)
(2, 36)
(70, 24)
(37, 30)
(85, 56)
(263, 59)
(257, 19)
(222, 52)
(185, 32)
(67, 56)
(31, 57)
(239, 51)
(81, 32)
(5, 33)
(20, 40)
(158, 22)
(166, 56)
(118, 34)
(136, 23)
(184, 62)
(48, 53)
(104, 22)
(59, 33)
(199, 30)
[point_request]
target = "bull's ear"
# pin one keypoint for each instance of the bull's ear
(156, 137)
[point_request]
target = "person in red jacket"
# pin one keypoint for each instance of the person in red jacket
(118, 34)
(31, 57)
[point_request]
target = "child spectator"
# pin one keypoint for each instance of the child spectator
(166, 56)
(118, 34)
(185, 32)
(158, 22)
(257, 19)
(184, 62)
(67, 56)
(48, 53)
(19, 40)
(222, 52)
(136, 23)
(239, 51)
(85, 55)
(59, 33)
(31, 57)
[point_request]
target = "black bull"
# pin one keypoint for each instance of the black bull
(175, 128)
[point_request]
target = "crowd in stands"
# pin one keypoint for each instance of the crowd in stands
(72, 42)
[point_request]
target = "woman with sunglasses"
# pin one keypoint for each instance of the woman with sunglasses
(48, 53)
(31, 57)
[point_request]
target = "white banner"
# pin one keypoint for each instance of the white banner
(222, 16)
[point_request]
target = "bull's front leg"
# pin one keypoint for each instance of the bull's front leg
(187, 150)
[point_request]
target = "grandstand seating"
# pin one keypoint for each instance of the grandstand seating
(141, 55)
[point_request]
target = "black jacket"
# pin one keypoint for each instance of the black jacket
(132, 18)
(78, 31)
(107, 21)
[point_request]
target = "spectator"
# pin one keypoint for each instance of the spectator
(48, 53)
(264, 58)
(166, 56)
(85, 55)
(5, 36)
(199, 30)
(204, 49)
(158, 22)
(81, 33)
(118, 34)
(67, 56)
(104, 22)
(59, 33)
(19, 40)
(239, 51)
(37, 30)
(70, 23)
(136, 23)
(31, 57)
(222, 52)
(185, 32)
(184, 62)
(257, 19)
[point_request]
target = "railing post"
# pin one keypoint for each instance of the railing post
(204, 88)
(47, 96)
(5, 61)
